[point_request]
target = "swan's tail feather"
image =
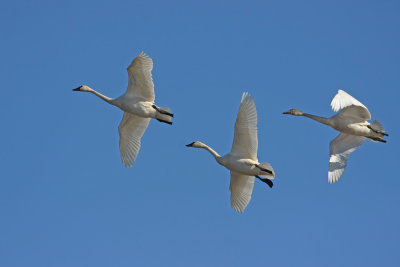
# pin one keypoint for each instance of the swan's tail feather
(377, 132)
(270, 174)
(164, 118)
(164, 114)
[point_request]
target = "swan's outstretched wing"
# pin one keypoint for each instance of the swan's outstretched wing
(140, 80)
(351, 106)
(241, 188)
(131, 130)
(354, 114)
(245, 142)
(339, 150)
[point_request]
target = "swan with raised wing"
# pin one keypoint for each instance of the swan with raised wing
(242, 160)
(352, 123)
(138, 106)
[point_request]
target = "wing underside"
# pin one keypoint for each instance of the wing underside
(241, 188)
(131, 130)
(245, 141)
(339, 149)
(141, 84)
(343, 99)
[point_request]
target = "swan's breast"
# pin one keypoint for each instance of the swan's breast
(240, 165)
(359, 129)
(140, 108)
(349, 125)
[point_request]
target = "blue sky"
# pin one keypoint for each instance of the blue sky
(67, 200)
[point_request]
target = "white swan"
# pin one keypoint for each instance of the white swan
(138, 106)
(353, 124)
(242, 160)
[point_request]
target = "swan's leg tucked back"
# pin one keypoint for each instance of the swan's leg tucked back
(263, 169)
(163, 114)
(165, 110)
(376, 139)
(377, 127)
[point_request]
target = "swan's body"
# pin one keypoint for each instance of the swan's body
(352, 122)
(242, 160)
(138, 106)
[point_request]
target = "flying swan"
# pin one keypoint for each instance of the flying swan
(352, 122)
(138, 106)
(242, 160)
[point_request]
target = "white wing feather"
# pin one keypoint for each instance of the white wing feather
(131, 130)
(354, 114)
(245, 142)
(140, 80)
(241, 188)
(343, 99)
(339, 149)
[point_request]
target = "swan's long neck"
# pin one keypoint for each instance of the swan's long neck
(105, 98)
(212, 151)
(323, 120)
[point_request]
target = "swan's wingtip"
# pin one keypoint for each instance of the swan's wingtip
(127, 164)
(246, 97)
(143, 54)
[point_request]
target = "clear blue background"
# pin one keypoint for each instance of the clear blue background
(67, 200)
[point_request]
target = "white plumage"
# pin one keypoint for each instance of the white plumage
(242, 160)
(241, 188)
(245, 140)
(131, 130)
(141, 84)
(339, 150)
(343, 99)
(352, 122)
(138, 106)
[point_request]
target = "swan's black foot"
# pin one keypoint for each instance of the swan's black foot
(376, 131)
(263, 169)
(267, 181)
(167, 113)
(170, 123)
(378, 139)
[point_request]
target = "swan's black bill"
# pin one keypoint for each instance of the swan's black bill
(77, 89)
(267, 181)
(190, 145)
(286, 112)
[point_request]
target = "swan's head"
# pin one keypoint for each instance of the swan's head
(294, 112)
(83, 88)
(196, 144)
